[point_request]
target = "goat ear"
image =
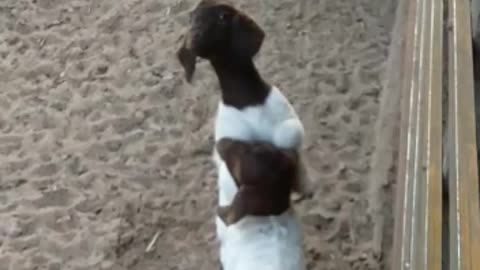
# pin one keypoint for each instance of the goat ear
(225, 147)
(230, 150)
(247, 36)
(225, 213)
(290, 165)
(237, 210)
(187, 57)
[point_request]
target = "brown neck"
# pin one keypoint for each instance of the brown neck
(240, 83)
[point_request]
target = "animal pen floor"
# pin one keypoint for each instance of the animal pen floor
(102, 143)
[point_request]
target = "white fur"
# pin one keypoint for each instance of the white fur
(273, 242)
(275, 121)
(267, 243)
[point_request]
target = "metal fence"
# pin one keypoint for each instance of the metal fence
(437, 226)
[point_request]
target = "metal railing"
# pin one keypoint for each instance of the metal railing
(419, 216)
(464, 212)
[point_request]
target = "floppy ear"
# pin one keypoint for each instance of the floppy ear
(290, 158)
(247, 36)
(225, 147)
(255, 201)
(226, 214)
(236, 211)
(290, 166)
(231, 151)
(187, 57)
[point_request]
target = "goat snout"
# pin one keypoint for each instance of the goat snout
(195, 38)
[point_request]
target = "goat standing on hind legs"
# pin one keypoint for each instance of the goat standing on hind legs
(250, 109)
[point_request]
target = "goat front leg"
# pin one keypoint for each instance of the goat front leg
(289, 135)
(303, 184)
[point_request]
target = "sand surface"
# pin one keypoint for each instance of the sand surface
(103, 144)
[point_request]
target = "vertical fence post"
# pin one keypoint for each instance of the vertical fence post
(418, 215)
(463, 172)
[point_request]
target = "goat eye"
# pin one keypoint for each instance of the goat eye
(222, 16)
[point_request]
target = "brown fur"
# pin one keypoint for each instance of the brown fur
(235, 34)
(229, 39)
(264, 174)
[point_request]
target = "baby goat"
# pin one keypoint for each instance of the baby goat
(250, 109)
(263, 231)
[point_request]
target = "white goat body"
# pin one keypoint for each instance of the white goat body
(271, 242)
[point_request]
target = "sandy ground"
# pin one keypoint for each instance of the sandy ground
(102, 143)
